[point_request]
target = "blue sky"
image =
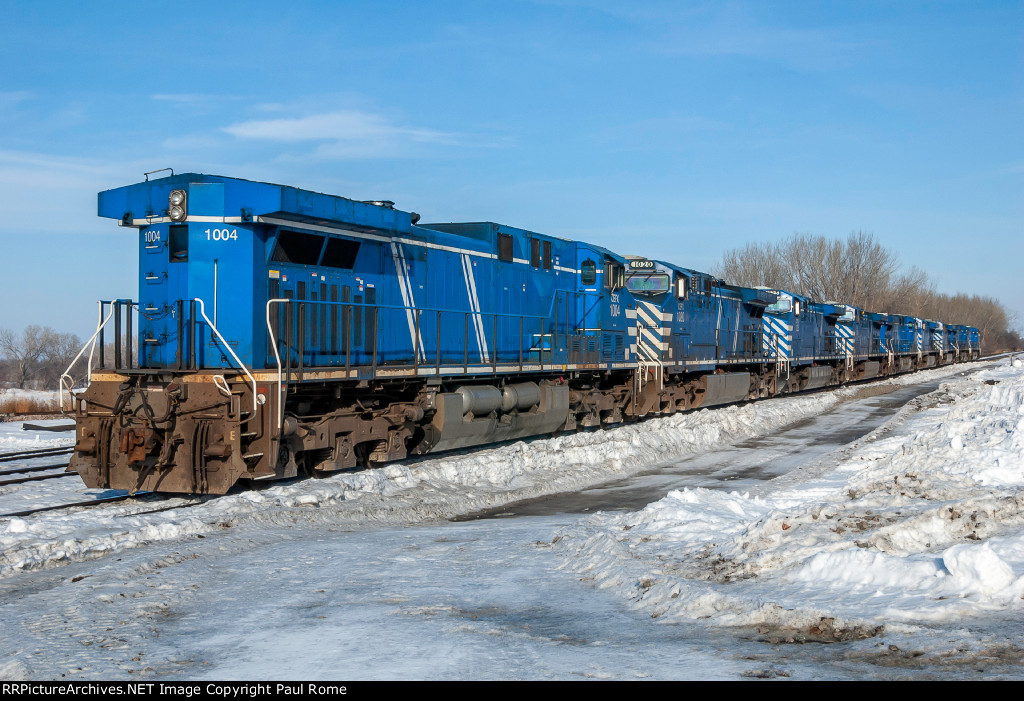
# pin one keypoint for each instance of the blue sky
(669, 129)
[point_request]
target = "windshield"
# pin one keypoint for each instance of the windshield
(647, 283)
(783, 306)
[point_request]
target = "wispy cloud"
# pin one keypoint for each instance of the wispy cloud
(343, 134)
(18, 163)
(341, 125)
(733, 30)
(45, 193)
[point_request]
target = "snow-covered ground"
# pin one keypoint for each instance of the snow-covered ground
(13, 437)
(38, 394)
(910, 539)
(921, 524)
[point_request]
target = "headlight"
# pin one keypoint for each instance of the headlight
(177, 209)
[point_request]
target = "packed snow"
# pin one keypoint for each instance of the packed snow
(906, 545)
(13, 437)
(921, 522)
(41, 395)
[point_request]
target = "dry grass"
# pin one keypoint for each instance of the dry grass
(28, 405)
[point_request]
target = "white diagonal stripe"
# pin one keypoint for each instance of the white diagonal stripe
(405, 288)
(649, 338)
(474, 305)
(651, 322)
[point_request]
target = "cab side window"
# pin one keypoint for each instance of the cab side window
(588, 272)
(505, 247)
(682, 287)
(614, 276)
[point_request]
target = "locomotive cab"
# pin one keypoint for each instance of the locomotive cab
(778, 320)
(856, 343)
(648, 279)
(795, 338)
(650, 285)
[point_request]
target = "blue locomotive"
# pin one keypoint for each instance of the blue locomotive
(280, 331)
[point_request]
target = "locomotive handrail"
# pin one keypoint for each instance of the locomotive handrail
(158, 170)
(91, 345)
(274, 340)
(400, 307)
(67, 382)
(277, 356)
(417, 312)
(234, 356)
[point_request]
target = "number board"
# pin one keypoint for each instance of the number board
(641, 264)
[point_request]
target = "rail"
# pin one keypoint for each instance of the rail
(126, 353)
(66, 381)
(234, 356)
(354, 340)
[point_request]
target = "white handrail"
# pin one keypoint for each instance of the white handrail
(277, 356)
(781, 362)
(66, 376)
(255, 396)
(91, 345)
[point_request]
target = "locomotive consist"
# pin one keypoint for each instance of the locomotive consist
(280, 331)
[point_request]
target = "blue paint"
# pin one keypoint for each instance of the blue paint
(368, 289)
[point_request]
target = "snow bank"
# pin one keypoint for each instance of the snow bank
(922, 521)
(13, 438)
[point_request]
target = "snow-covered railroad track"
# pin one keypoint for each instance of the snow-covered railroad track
(37, 478)
(35, 453)
(34, 468)
(71, 505)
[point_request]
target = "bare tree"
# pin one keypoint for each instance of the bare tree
(37, 353)
(866, 268)
(862, 272)
(906, 293)
(23, 351)
(853, 271)
(755, 265)
(60, 350)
